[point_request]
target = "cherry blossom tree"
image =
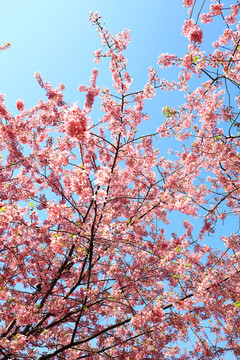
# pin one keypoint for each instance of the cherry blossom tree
(87, 267)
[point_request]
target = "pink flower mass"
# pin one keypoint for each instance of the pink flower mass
(76, 124)
(192, 31)
(195, 35)
(111, 247)
(20, 105)
(187, 3)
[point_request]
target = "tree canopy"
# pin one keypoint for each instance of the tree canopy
(87, 268)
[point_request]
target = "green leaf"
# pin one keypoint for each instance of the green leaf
(128, 222)
(237, 304)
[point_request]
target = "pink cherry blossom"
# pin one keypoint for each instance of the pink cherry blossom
(110, 245)
(20, 105)
(195, 35)
(187, 3)
(5, 46)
